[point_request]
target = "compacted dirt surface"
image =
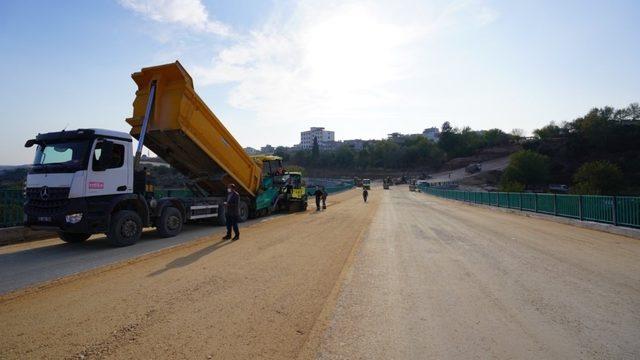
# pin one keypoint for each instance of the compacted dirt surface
(405, 276)
(436, 279)
(257, 297)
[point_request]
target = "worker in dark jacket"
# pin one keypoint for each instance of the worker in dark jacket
(324, 198)
(318, 194)
(365, 194)
(232, 212)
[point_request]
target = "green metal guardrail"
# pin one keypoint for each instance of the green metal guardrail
(616, 210)
(11, 202)
(338, 188)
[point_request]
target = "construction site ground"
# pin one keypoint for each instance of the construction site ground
(404, 276)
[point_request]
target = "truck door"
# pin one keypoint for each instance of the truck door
(108, 170)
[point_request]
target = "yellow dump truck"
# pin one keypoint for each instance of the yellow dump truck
(184, 132)
(87, 181)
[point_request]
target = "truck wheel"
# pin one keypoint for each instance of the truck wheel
(125, 228)
(170, 222)
(73, 237)
(243, 209)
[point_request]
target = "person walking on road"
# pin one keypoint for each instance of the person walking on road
(365, 194)
(318, 194)
(324, 198)
(232, 212)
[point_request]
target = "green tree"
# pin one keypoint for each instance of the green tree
(282, 152)
(315, 150)
(598, 178)
(526, 168)
(344, 156)
(550, 131)
(496, 137)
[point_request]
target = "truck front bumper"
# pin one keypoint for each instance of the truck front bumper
(55, 219)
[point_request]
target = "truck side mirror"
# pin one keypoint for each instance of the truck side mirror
(106, 154)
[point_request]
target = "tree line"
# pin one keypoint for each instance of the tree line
(401, 153)
(598, 153)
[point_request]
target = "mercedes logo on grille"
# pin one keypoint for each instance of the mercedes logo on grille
(44, 193)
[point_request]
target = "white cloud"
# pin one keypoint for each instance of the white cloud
(334, 63)
(189, 13)
(359, 67)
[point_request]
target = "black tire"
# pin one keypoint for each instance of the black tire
(125, 228)
(73, 237)
(170, 222)
(243, 210)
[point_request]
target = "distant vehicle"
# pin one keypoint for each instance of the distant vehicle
(473, 168)
(386, 183)
(400, 180)
(412, 185)
(420, 184)
(559, 188)
(366, 184)
(357, 182)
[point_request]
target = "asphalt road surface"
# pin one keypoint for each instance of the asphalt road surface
(405, 276)
(36, 262)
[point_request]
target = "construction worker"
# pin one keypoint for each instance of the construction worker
(232, 212)
(324, 198)
(365, 194)
(318, 194)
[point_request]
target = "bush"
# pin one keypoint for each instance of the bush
(598, 178)
(511, 186)
(526, 168)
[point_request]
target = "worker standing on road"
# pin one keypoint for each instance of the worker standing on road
(365, 194)
(232, 212)
(324, 198)
(318, 195)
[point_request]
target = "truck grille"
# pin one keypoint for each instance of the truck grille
(45, 201)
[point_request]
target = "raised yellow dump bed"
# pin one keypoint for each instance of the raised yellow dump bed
(184, 132)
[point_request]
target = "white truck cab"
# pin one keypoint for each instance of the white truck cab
(74, 160)
(83, 182)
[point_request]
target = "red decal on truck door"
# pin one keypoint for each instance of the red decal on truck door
(96, 185)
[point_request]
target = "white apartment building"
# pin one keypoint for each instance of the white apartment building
(323, 136)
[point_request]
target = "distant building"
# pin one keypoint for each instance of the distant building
(267, 149)
(329, 145)
(355, 144)
(251, 151)
(396, 137)
(324, 137)
(432, 133)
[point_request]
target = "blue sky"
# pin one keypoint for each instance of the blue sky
(270, 69)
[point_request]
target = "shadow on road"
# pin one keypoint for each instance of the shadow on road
(100, 243)
(191, 258)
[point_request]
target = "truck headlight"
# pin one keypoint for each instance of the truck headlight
(73, 218)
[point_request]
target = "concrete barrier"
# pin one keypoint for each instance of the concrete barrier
(18, 234)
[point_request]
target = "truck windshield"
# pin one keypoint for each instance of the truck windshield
(63, 156)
